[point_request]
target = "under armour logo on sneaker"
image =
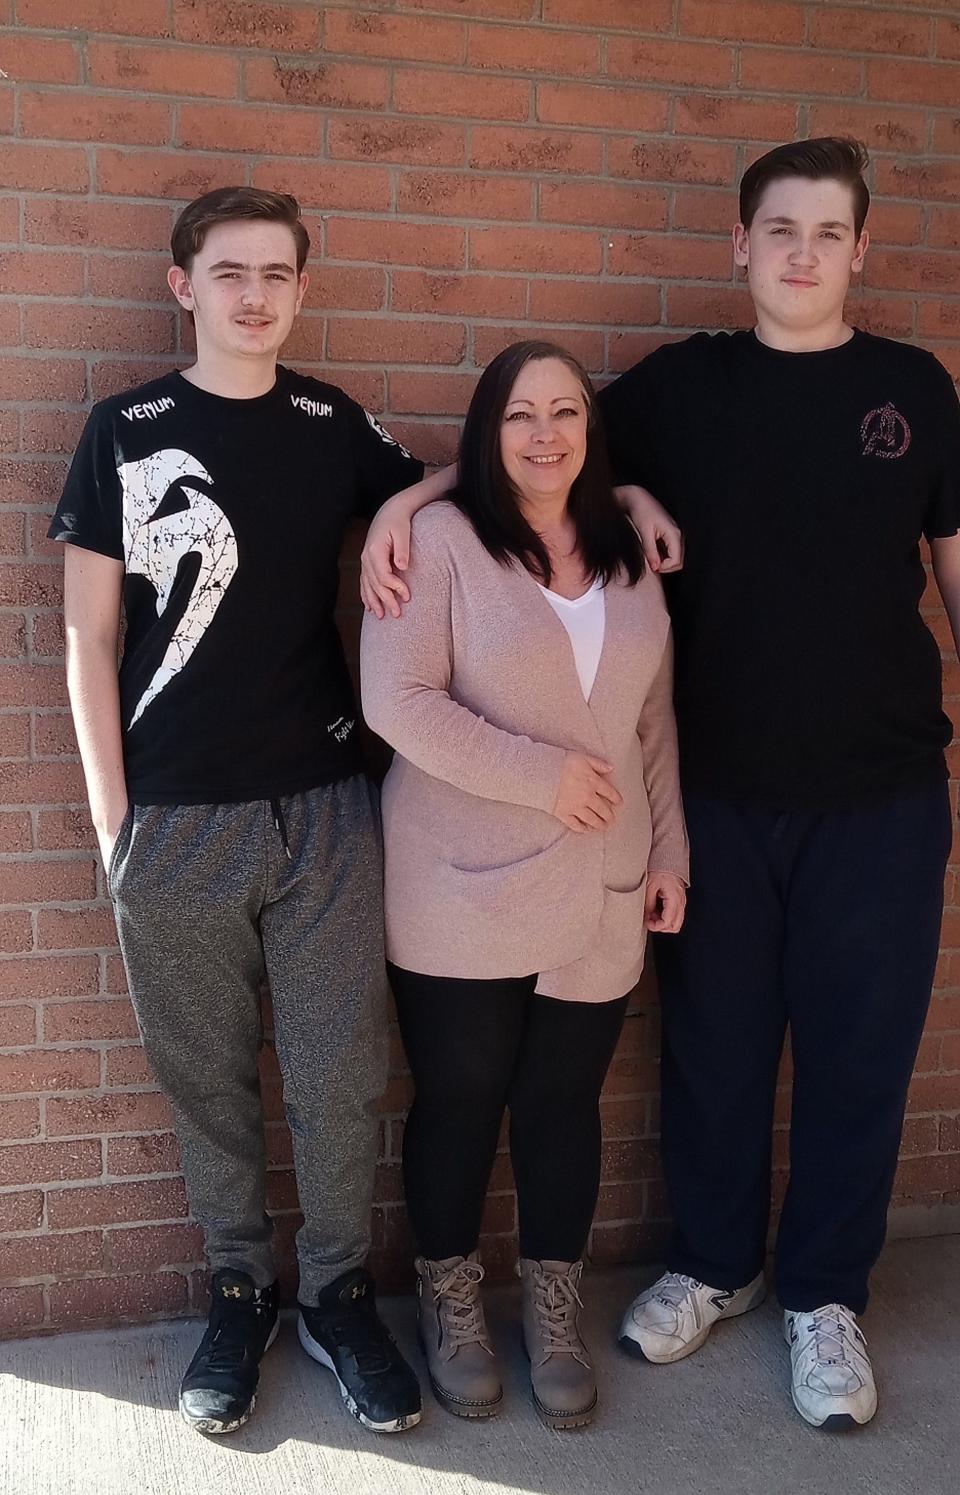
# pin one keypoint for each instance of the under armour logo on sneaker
(360, 1291)
(231, 1292)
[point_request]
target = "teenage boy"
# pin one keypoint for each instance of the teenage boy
(238, 830)
(803, 461)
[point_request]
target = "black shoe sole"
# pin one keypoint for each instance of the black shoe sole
(215, 1426)
(840, 1422)
(318, 1353)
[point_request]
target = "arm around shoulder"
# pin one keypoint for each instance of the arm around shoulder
(386, 550)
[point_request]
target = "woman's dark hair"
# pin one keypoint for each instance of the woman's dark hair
(606, 540)
(836, 158)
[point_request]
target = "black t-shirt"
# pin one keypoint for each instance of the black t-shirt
(229, 516)
(806, 677)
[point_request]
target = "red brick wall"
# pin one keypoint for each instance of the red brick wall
(469, 168)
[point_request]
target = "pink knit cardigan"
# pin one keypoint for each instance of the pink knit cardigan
(476, 688)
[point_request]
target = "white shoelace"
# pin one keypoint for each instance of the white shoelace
(829, 1330)
(675, 1287)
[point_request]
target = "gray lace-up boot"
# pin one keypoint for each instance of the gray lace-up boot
(564, 1386)
(453, 1335)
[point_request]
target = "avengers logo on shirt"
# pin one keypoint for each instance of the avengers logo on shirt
(885, 433)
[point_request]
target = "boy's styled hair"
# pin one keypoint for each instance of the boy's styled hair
(230, 205)
(837, 158)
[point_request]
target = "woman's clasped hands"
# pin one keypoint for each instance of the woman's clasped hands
(586, 799)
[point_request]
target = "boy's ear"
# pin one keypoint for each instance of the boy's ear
(179, 282)
(741, 245)
(859, 253)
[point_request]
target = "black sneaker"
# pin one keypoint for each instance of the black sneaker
(345, 1334)
(219, 1390)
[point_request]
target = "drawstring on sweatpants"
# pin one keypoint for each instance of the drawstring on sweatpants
(280, 825)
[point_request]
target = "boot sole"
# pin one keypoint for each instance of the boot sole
(562, 1421)
(635, 1349)
(319, 1354)
(470, 1411)
(214, 1426)
(559, 1421)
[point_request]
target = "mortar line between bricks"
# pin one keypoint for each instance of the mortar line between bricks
(398, 65)
(37, 1231)
(411, 217)
(100, 998)
(936, 10)
(736, 92)
(104, 1136)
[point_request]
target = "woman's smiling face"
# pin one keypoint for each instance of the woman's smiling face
(543, 435)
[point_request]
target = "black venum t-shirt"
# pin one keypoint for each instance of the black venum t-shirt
(229, 516)
(803, 482)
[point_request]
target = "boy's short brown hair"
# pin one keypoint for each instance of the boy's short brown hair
(230, 205)
(837, 158)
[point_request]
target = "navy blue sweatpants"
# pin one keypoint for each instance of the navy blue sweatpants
(828, 923)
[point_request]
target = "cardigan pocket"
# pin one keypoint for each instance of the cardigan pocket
(621, 925)
(533, 862)
(545, 901)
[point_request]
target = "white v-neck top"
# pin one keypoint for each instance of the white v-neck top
(584, 618)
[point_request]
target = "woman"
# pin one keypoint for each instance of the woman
(532, 828)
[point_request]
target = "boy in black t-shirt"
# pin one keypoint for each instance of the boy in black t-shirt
(238, 830)
(803, 461)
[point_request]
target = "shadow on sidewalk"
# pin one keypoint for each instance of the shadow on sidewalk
(95, 1414)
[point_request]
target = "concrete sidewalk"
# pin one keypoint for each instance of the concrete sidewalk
(92, 1414)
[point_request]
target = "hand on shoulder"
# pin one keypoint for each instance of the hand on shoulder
(385, 554)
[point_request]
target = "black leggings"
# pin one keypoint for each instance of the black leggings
(474, 1048)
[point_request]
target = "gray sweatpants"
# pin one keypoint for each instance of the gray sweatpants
(208, 902)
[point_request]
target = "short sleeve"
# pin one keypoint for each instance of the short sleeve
(90, 511)
(628, 415)
(942, 517)
(383, 467)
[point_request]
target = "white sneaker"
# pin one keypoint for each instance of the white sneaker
(833, 1384)
(674, 1316)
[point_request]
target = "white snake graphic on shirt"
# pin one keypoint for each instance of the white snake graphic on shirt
(154, 548)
